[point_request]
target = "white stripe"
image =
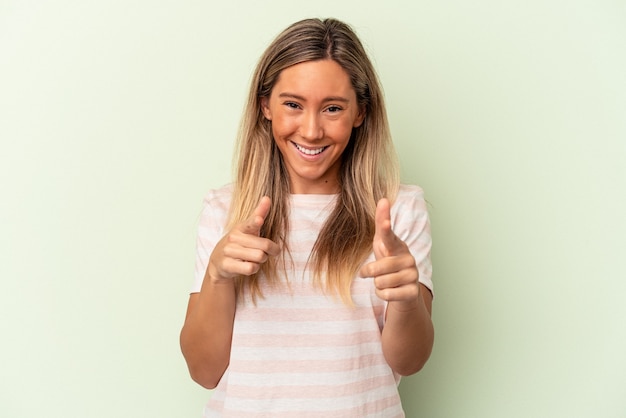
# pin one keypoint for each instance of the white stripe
(310, 378)
(316, 328)
(307, 404)
(307, 353)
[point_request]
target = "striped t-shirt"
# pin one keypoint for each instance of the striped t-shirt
(299, 352)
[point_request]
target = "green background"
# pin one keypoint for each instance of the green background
(117, 116)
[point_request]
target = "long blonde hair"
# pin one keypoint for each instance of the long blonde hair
(369, 169)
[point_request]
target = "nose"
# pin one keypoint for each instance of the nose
(311, 126)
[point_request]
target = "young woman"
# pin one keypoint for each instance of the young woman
(313, 279)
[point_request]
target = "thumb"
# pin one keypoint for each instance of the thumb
(253, 224)
(385, 241)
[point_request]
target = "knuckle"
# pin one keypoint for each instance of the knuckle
(228, 267)
(258, 256)
(249, 269)
(378, 283)
(373, 271)
(266, 245)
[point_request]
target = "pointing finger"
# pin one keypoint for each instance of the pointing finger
(385, 242)
(255, 222)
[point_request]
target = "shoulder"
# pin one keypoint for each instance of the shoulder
(409, 196)
(218, 199)
(409, 210)
(216, 206)
(410, 191)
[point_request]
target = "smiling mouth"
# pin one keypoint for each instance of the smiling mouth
(308, 151)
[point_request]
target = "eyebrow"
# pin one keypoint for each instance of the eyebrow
(302, 99)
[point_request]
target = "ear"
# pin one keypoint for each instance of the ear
(265, 108)
(360, 117)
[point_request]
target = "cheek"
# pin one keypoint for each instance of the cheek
(282, 134)
(342, 131)
(282, 126)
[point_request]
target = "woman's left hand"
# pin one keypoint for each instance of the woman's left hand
(394, 271)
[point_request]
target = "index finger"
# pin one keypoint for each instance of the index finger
(383, 231)
(253, 224)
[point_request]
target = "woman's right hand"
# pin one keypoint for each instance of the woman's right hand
(242, 250)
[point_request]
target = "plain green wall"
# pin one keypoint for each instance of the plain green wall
(117, 116)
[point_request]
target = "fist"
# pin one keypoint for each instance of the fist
(242, 251)
(394, 270)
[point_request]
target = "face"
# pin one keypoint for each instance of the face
(313, 109)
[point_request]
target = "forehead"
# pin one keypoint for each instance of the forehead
(315, 78)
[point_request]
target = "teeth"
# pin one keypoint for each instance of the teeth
(309, 151)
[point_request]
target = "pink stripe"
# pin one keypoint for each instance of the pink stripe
(303, 366)
(290, 314)
(310, 340)
(295, 286)
(306, 391)
(391, 403)
(360, 286)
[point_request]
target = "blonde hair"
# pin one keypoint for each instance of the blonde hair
(369, 169)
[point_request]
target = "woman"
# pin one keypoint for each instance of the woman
(312, 294)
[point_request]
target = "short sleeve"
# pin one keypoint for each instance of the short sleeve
(410, 222)
(211, 226)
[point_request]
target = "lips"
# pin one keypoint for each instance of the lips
(309, 151)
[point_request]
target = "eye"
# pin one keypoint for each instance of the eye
(333, 109)
(292, 105)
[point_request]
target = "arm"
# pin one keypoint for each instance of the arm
(206, 335)
(408, 334)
